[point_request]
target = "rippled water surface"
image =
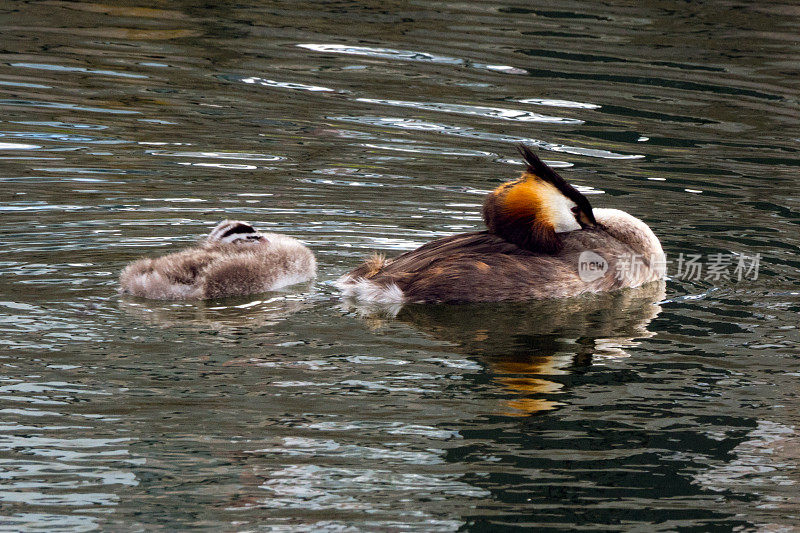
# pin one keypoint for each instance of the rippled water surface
(359, 126)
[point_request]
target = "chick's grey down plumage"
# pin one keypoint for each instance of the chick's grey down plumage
(234, 260)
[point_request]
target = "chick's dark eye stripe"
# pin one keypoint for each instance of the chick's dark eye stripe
(240, 228)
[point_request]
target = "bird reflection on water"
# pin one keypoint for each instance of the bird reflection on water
(524, 346)
(228, 314)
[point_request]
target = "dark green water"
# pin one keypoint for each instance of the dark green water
(360, 126)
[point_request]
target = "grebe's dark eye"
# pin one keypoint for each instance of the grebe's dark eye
(575, 210)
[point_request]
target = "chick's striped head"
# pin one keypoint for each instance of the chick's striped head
(234, 231)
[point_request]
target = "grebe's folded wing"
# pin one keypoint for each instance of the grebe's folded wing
(474, 243)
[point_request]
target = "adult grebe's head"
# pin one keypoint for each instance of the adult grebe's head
(234, 232)
(533, 210)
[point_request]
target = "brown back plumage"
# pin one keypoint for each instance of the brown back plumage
(482, 267)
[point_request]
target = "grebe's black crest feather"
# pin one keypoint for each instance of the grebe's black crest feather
(539, 168)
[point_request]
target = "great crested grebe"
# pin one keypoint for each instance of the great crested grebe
(234, 259)
(544, 240)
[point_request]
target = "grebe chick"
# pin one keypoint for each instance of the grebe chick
(233, 260)
(544, 240)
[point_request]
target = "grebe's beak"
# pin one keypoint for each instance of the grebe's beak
(586, 220)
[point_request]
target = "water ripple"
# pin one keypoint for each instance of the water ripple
(408, 55)
(59, 124)
(321, 488)
(436, 150)
(217, 155)
(465, 131)
(25, 85)
(487, 112)
(59, 137)
(64, 68)
(18, 146)
(62, 105)
(558, 103)
(285, 85)
(309, 447)
(40, 206)
(45, 522)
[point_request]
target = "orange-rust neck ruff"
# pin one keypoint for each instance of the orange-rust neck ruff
(531, 211)
(519, 212)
